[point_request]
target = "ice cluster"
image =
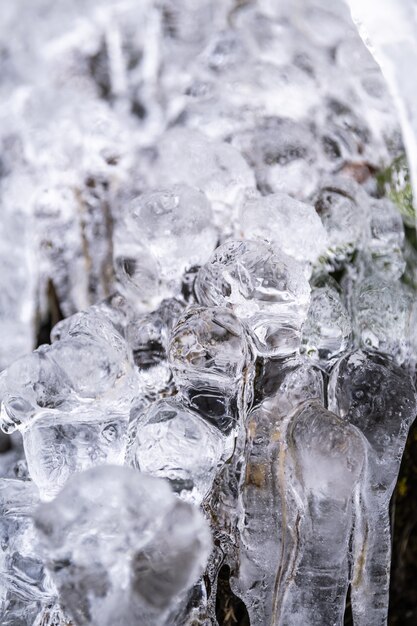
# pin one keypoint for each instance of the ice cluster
(190, 200)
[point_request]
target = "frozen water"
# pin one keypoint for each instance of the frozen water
(92, 352)
(121, 547)
(328, 457)
(267, 505)
(211, 362)
(18, 275)
(265, 288)
(388, 28)
(386, 239)
(135, 138)
(283, 384)
(327, 332)
(58, 445)
(176, 443)
(282, 153)
(148, 337)
(292, 226)
(382, 311)
(90, 361)
(379, 398)
(71, 400)
(298, 514)
(186, 156)
(29, 385)
(165, 232)
(56, 211)
(25, 586)
(342, 206)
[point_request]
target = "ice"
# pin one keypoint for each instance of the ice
(120, 547)
(187, 156)
(283, 384)
(267, 503)
(92, 352)
(25, 586)
(342, 206)
(176, 443)
(71, 400)
(293, 226)
(386, 239)
(75, 199)
(352, 143)
(71, 442)
(327, 332)
(29, 385)
(382, 316)
(135, 138)
(191, 26)
(165, 233)
(379, 398)
(52, 615)
(388, 29)
(265, 288)
(211, 362)
(19, 273)
(297, 513)
(328, 457)
(148, 337)
(282, 153)
(62, 256)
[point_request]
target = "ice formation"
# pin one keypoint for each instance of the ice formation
(220, 296)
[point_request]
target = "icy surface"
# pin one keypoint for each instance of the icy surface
(264, 287)
(211, 362)
(165, 233)
(176, 443)
(327, 330)
(292, 226)
(25, 586)
(379, 398)
(206, 241)
(126, 552)
(388, 28)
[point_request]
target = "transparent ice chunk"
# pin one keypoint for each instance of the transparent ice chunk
(328, 458)
(386, 239)
(19, 270)
(211, 362)
(302, 469)
(280, 387)
(327, 332)
(176, 443)
(25, 585)
(121, 547)
(59, 444)
(293, 226)
(218, 169)
(30, 384)
(148, 337)
(164, 233)
(283, 384)
(342, 206)
(379, 398)
(282, 152)
(265, 288)
(382, 311)
(56, 210)
(95, 357)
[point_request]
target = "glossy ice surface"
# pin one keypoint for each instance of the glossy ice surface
(207, 313)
